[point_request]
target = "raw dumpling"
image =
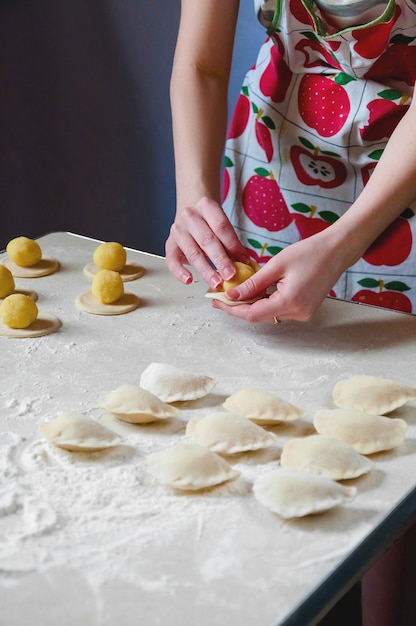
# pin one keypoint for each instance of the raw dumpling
(372, 394)
(190, 467)
(295, 494)
(262, 407)
(172, 384)
(78, 433)
(324, 456)
(366, 433)
(135, 405)
(228, 433)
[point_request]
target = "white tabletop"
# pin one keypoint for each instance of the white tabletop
(92, 539)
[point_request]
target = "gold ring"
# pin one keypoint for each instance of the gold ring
(276, 321)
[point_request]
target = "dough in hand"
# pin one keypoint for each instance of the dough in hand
(172, 384)
(244, 271)
(365, 432)
(228, 433)
(324, 456)
(372, 394)
(261, 407)
(293, 494)
(190, 467)
(78, 433)
(135, 405)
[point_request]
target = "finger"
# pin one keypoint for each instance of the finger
(219, 223)
(264, 310)
(176, 260)
(193, 253)
(224, 246)
(255, 285)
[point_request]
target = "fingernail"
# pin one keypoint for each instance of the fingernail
(186, 279)
(215, 282)
(228, 272)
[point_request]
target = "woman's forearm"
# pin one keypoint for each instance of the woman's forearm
(199, 115)
(199, 96)
(390, 190)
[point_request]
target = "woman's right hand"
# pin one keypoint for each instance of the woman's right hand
(203, 237)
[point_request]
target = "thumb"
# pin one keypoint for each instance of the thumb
(255, 285)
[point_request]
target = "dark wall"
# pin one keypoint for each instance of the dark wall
(85, 137)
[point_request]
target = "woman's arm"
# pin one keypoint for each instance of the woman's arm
(199, 101)
(306, 271)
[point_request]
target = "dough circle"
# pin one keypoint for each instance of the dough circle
(87, 303)
(27, 292)
(222, 296)
(44, 324)
(131, 271)
(45, 267)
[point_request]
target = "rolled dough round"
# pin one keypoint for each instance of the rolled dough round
(131, 271)
(87, 303)
(45, 324)
(45, 267)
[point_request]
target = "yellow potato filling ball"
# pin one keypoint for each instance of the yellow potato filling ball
(107, 286)
(18, 311)
(6, 282)
(110, 256)
(244, 271)
(24, 251)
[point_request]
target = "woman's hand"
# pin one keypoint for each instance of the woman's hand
(303, 273)
(202, 236)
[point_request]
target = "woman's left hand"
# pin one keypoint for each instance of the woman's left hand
(303, 273)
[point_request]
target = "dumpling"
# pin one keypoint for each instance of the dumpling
(372, 394)
(78, 433)
(324, 456)
(295, 494)
(190, 467)
(228, 433)
(172, 384)
(261, 407)
(366, 433)
(135, 405)
(244, 271)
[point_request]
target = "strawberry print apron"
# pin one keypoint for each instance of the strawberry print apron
(312, 119)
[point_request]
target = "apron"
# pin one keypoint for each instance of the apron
(309, 126)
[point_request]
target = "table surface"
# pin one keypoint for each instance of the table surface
(92, 539)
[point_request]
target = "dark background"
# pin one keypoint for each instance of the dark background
(85, 136)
